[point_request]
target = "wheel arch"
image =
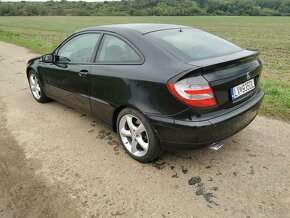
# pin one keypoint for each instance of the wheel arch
(34, 69)
(28, 69)
(118, 110)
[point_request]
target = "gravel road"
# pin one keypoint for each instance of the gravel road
(58, 162)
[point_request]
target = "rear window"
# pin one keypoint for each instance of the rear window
(191, 44)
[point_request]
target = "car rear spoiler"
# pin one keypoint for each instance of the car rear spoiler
(225, 61)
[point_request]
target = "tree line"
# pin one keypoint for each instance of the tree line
(148, 8)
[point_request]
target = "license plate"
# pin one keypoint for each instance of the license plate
(242, 89)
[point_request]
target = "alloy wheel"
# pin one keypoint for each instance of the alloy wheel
(34, 86)
(134, 135)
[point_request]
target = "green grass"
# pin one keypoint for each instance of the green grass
(277, 99)
(269, 35)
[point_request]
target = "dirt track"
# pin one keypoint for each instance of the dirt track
(57, 162)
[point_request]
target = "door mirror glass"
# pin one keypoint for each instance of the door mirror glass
(48, 58)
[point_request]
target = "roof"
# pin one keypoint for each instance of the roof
(138, 27)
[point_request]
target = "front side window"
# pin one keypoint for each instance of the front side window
(115, 50)
(190, 44)
(79, 49)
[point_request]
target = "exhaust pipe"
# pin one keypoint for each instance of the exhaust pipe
(216, 146)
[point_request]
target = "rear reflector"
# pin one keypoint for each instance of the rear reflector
(194, 91)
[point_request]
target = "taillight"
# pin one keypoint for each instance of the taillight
(194, 91)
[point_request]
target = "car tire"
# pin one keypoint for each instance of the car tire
(137, 136)
(36, 87)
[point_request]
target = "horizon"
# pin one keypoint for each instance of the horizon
(55, 0)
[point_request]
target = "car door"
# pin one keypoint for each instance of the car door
(116, 56)
(67, 77)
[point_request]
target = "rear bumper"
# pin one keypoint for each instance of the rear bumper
(180, 134)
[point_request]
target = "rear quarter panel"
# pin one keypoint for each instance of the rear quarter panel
(137, 86)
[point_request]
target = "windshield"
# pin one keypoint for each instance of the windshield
(191, 44)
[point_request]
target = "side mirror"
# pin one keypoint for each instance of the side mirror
(48, 58)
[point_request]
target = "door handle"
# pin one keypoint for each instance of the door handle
(83, 73)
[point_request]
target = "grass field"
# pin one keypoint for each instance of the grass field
(269, 35)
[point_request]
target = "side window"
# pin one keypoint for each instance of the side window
(115, 50)
(79, 49)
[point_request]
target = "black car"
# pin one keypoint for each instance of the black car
(159, 86)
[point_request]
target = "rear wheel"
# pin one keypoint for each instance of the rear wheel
(36, 88)
(137, 136)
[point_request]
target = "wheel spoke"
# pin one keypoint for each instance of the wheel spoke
(125, 132)
(140, 129)
(32, 81)
(143, 144)
(37, 88)
(36, 81)
(129, 120)
(134, 146)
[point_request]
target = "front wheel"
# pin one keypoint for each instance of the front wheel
(36, 88)
(137, 136)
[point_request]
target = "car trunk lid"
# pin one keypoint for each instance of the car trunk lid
(228, 71)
